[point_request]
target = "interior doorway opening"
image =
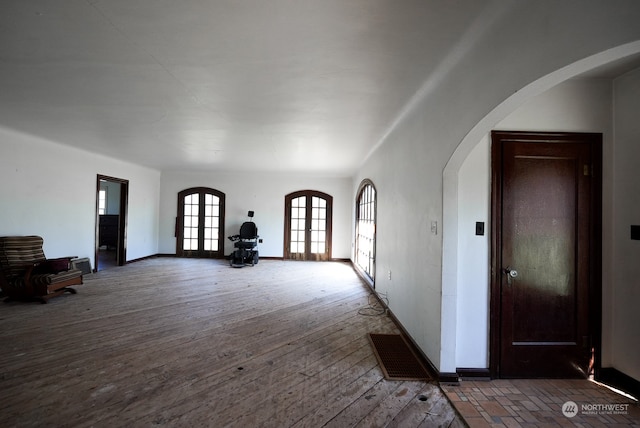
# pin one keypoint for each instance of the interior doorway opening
(112, 196)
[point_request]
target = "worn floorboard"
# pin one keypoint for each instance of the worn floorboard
(188, 342)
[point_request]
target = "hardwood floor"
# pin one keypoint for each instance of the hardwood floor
(187, 342)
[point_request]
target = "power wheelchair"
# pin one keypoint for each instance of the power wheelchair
(245, 244)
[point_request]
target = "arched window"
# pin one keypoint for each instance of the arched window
(365, 251)
(200, 223)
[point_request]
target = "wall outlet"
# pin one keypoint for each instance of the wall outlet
(434, 227)
(389, 275)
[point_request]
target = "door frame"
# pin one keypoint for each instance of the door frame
(121, 253)
(595, 274)
(287, 220)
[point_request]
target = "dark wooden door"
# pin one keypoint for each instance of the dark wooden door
(308, 218)
(543, 256)
(200, 223)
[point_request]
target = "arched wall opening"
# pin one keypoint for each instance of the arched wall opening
(452, 249)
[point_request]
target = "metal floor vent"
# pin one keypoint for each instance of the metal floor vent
(396, 358)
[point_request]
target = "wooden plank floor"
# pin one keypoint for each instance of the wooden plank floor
(187, 342)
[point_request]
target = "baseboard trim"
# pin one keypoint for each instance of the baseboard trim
(363, 276)
(152, 256)
(473, 373)
(619, 380)
(448, 378)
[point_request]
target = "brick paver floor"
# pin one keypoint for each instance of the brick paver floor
(540, 402)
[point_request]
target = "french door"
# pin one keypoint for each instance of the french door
(200, 223)
(308, 217)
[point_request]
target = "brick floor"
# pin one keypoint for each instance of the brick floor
(539, 402)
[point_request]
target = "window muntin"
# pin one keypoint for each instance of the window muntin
(318, 225)
(298, 224)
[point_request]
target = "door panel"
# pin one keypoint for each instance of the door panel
(200, 223)
(308, 225)
(543, 225)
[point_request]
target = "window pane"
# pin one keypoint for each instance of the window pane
(365, 230)
(102, 201)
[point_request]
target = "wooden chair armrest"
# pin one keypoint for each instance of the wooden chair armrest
(27, 277)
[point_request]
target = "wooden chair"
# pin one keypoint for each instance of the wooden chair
(26, 274)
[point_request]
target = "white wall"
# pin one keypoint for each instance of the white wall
(49, 189)
(262, 193)
(626, 202)
(489, 66)
(474, 203)
(573, 106)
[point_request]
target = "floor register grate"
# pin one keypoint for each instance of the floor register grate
(396, 358)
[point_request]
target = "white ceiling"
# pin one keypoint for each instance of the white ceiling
(269, 85)
(293, 85)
